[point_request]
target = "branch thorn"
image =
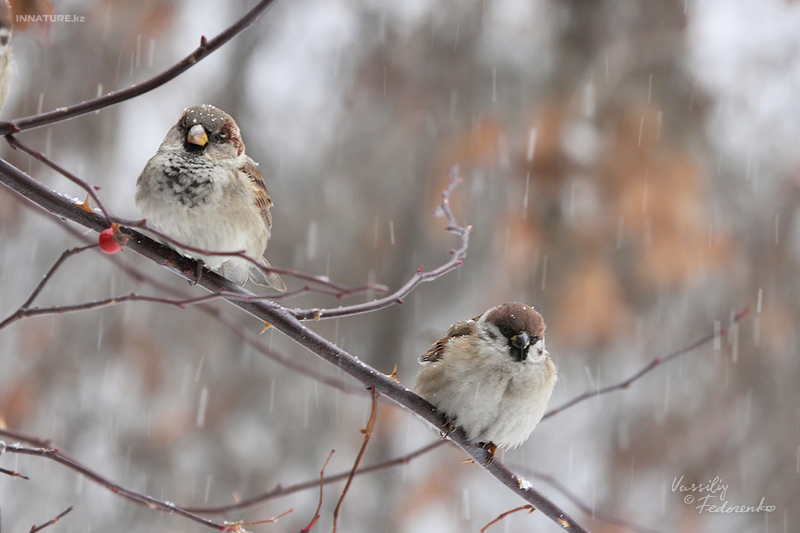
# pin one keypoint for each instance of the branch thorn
(86, 205)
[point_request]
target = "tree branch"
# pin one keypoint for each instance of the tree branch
(600, 515)
(132, 297)
(206, 48)
(286, 322)
(132, 495)
(280, 490)
(319, 506)
(55, 520)
(367, 435)
(654, 363)
(420, 276)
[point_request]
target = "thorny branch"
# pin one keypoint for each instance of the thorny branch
(286, 322)
(332, 288)
(283, 491)
(507, 475)
(213, 311)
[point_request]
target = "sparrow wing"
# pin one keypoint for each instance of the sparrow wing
(262, 197)
(459, 329)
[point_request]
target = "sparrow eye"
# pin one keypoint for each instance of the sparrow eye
(216, 137)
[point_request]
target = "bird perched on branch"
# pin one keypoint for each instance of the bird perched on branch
(491, 375)
(201, 189)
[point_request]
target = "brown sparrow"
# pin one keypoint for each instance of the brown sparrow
(491, 375)
(6, 58)
(201, 189)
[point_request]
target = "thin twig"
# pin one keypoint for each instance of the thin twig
(650, 366)
(339, 294)
(132, 297)
(34, 529)
(280, 490)
(13, 473)
(238, 527)
(74, 178)
(419, 277)
(66, 254)
(321, 485)
(373, 415)
(207, 46)
(24, 437)
(529, 508)
(132, 495)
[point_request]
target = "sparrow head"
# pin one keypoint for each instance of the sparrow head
(518, 327)
(205, 130)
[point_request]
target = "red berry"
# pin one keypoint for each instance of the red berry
(108, 243)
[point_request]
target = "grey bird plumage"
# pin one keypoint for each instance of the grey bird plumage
(491, 375)
(201, 189)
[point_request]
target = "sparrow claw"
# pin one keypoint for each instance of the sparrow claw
(491, 449)
(198, 274)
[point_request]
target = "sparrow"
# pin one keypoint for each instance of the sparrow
(491, 375)
(201, 189)
(6, 58)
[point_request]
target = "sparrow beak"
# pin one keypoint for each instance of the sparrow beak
(519, 346)
(197, 135)
(520, 341)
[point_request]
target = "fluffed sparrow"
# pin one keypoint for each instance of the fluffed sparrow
(202, 189)
(491, 375)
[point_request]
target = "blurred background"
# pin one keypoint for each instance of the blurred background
(630, 169)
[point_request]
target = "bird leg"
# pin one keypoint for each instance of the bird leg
(198, 274)
(491, 449)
